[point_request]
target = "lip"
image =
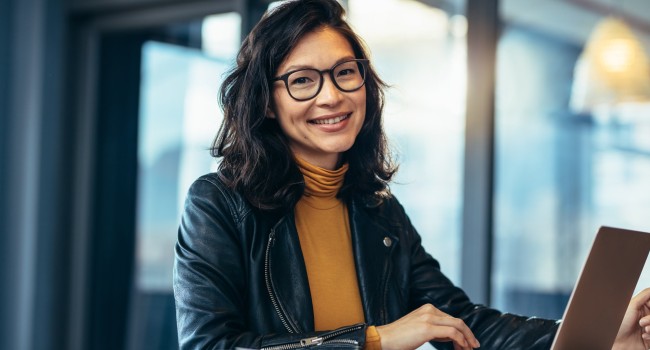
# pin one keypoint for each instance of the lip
(331, 128)
(329, 116)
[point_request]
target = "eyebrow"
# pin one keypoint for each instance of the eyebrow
(295, 67)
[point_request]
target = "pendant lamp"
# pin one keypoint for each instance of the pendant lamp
(613, 68)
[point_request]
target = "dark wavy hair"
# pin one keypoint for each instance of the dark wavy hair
(256, 159)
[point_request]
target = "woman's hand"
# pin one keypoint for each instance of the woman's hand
(635, 328)
(425, 324)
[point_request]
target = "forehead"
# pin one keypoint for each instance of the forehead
(320, 49)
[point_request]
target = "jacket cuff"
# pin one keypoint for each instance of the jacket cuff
(373, 340)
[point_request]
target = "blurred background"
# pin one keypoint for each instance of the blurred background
(521, 127)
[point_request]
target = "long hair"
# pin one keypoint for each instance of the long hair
(256, 159)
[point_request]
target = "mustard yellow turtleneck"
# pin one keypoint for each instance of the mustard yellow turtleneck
(324, 232)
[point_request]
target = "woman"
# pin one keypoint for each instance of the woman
(296, 241)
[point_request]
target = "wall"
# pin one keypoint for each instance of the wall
(40, 289)
(32, 147)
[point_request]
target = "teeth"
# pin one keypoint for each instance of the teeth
(331, 120)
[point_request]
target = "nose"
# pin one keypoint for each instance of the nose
(329, 93)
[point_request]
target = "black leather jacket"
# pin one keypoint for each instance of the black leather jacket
(240, 279)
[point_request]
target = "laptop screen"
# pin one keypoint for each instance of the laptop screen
(604, 289)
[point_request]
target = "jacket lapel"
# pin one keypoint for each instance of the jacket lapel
(289, 277)
(372, 244)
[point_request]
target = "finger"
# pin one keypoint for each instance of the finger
(448, 320)
(644, 321)
(459, 325)
(451, 334)
(642, 298)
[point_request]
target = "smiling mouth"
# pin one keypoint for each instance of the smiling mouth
(331, 120)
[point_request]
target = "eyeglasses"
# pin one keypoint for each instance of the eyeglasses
(305, 84)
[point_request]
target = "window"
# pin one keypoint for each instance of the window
(419, 51)
(179, 117)
(559, 176)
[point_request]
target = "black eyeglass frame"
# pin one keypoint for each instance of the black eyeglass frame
(285, 77)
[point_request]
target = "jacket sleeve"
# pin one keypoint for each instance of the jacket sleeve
(210, 280)
(492, 328)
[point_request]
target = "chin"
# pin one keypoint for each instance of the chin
(341, 148)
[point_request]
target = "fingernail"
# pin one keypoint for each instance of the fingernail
(644, 322)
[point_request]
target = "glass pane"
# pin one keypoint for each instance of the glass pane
(419, 51)
(559, 175)
(179, 117)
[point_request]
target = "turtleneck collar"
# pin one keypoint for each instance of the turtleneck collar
(321, 185)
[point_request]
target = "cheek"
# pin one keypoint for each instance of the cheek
(290, 115)
(361, 104)
(361, 99)
(292, 111)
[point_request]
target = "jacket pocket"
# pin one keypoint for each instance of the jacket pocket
(331, 340)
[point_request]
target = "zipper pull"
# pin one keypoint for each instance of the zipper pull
(311, 341)
(272, 237)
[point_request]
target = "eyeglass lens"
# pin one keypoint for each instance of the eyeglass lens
(306, 83)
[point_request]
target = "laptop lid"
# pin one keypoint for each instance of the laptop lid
(598, 302)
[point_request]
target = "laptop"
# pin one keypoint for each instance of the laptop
(597, 305)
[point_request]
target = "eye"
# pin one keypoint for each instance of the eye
(346, 71)
(304, 79)
(300, 80)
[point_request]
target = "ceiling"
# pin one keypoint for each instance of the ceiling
(574, 20)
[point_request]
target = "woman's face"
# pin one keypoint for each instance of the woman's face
(322, 128)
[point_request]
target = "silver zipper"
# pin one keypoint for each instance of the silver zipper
(299, 345)
(311, 341)
(284, 347)
(336, 333)
(269, 286)
(323, 339)
(343, 341)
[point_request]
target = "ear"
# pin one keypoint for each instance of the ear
(269, 113)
